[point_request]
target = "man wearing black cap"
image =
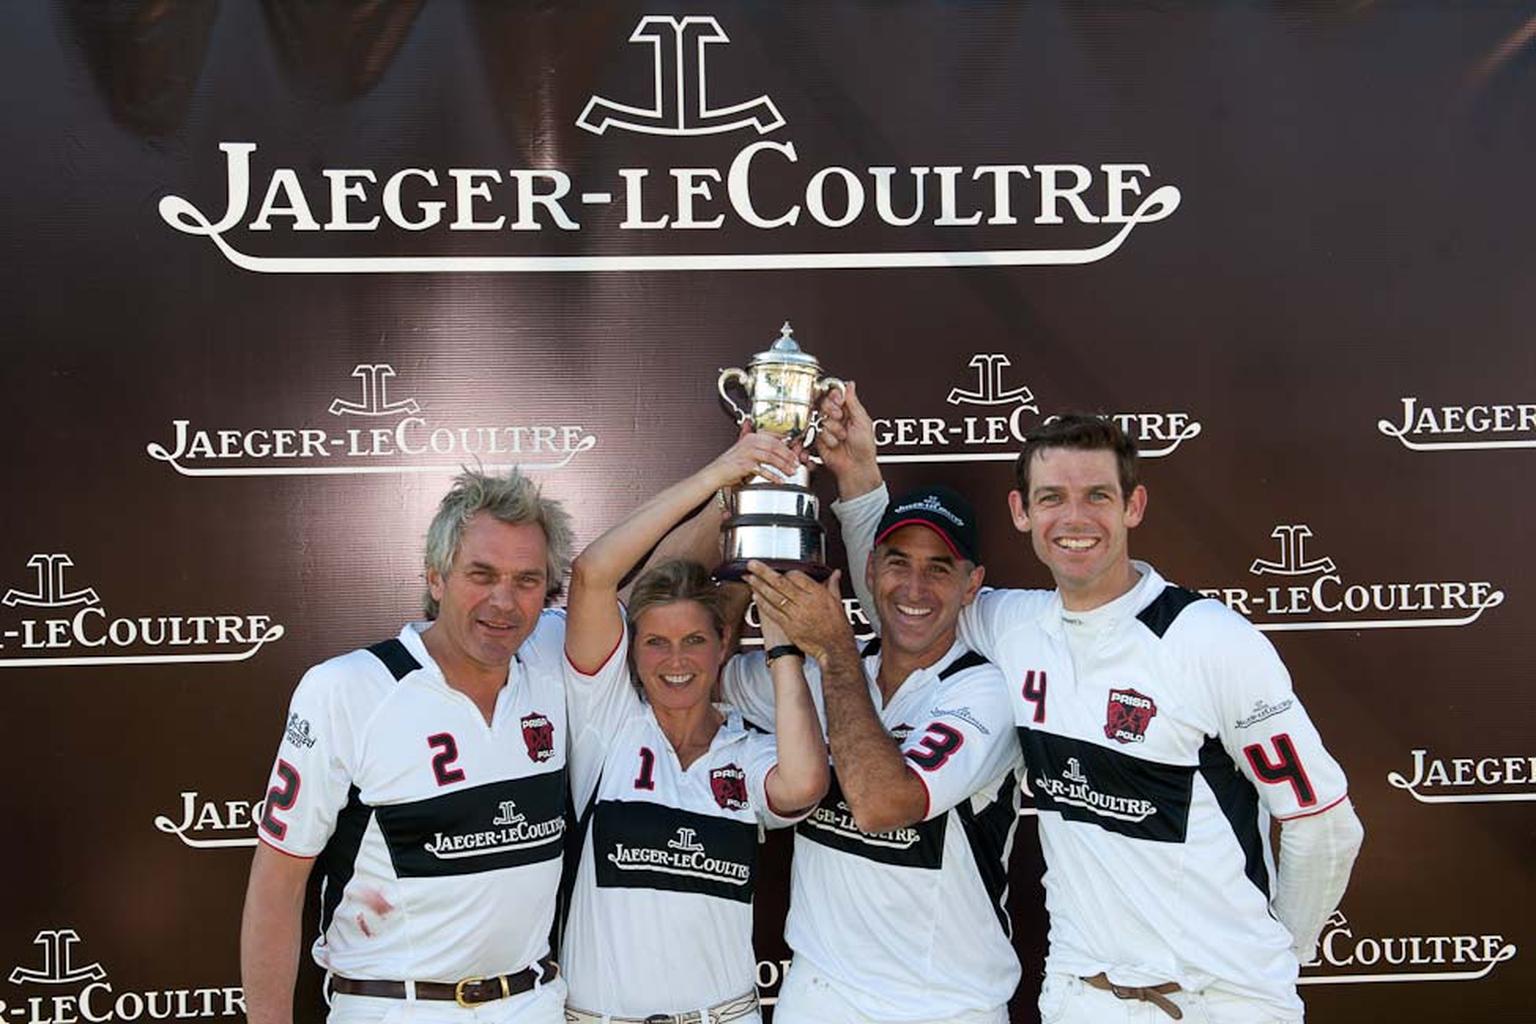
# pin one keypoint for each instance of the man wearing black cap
(900, 875)
(1162, 737)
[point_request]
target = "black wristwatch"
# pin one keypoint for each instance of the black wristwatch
(783, 649)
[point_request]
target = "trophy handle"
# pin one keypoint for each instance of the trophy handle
(823, 388)
(740, 377)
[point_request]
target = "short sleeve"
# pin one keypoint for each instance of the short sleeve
(966, 740)
(545, 646)
(761, 757)
(313, 770)
(1260, 720)
(597, 705)
(985, 621)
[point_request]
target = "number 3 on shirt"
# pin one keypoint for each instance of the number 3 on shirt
(938, 744)
(1286, 767)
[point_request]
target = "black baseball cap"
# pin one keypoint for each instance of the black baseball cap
(943, 510)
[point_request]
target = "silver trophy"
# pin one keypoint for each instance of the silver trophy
(775, 518)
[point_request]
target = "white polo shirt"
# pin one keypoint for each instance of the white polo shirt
(1161, 735)
(438, 836)
(911, 924)
(661, 913)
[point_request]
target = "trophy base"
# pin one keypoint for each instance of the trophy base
(736, 568)
(781, 541)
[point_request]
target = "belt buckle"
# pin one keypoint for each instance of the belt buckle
(458, 991)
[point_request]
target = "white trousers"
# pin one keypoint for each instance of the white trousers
(1065, 999)
(544, 1004)
(808, 997)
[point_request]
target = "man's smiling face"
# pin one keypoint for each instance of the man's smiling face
(491, 596)
(920, 585)
(1079, 522)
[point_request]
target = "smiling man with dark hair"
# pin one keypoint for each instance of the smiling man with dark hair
(1161, 736)
(900, 877)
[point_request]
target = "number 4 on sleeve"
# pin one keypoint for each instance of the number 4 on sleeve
(1284, 767)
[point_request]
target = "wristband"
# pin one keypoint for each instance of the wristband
(783, 649)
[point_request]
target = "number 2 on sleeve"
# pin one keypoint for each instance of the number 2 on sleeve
(280, 797)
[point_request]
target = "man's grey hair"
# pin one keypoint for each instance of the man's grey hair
(513, 499)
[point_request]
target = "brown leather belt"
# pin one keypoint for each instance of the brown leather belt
(1157, 995)
(468, 992)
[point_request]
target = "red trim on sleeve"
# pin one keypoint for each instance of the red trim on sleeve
(767, 796)
(927, 796)
(1313, 813)
(787, 815)
(602, 664)
(793, 815)
(269, 844)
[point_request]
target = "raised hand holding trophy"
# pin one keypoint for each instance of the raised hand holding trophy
(773, 518)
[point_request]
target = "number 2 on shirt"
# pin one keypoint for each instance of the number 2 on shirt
(447, 752)
(281, 797)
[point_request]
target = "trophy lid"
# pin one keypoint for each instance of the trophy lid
(785, 350)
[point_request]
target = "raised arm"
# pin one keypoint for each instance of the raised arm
(799, 780)
(847, 448)
(593, 623)
(847, 443)
(882, 790)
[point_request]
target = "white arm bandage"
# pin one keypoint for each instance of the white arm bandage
(1316, 855)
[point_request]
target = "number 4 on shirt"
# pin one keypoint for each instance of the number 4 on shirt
(1034, 692)
(1284, 767)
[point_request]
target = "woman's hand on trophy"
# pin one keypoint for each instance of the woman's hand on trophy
(752, 453)
(773, 633)
(847, 442)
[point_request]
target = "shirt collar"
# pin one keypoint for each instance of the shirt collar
(1128, 604)
(921, 675)
(732, 730)
(410, 636)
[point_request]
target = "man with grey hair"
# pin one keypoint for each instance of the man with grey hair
(426, 777)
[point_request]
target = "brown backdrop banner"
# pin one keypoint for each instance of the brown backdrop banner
(274, 270)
